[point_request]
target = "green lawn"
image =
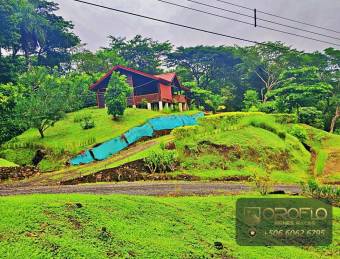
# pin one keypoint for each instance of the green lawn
(69, 135)
(52, 226)
(5, 163)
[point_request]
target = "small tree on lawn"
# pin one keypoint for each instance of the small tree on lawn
(43, 102)
(116, 95)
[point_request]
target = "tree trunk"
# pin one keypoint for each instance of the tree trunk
(264, 95)
(334, 119)
(41, 133)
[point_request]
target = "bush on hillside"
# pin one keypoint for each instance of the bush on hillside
(87, 123)
(312, 117)
(267, 107)
(186, 131)
(285, 118)
(161, 161)
(298, 132)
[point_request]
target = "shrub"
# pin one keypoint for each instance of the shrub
(326, 193)
(298, 132)
(312, 117)
(267, 107)
(183, 132)
(161, 161)
(285, 118)
(251, 100)
(87, 123)
(263, 184)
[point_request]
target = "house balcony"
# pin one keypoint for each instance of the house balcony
(155, 98)
(139, 99)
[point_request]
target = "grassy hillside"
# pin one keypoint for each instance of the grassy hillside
(242, 144)
(5, 163)
(67, 137)
(98, 226)
(327, 154)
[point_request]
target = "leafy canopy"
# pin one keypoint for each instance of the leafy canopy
(116, 95)
(43, 102)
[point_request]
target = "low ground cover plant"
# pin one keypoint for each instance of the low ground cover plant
(161, 161)
(327, 193)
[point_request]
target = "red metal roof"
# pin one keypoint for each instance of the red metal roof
(124, 68)
(167, 76)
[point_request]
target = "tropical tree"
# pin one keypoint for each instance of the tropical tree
(204, 98)
(205, 64)
(43, 102)
(10, 126)
(303, 87)
(141, 53)
(333, 56)
(99, 62)
(267, 62)
(116, 95)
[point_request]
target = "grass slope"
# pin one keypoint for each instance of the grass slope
(5, 163)
(52, 226)
(67, 137)
(327, 148)
(245, 145)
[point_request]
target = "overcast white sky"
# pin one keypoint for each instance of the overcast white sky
(93, 25)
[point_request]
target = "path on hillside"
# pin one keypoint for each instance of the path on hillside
(145, 188)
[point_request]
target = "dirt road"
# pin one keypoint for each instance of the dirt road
(144, 188)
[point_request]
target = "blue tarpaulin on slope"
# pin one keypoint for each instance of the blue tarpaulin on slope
(166, 123)
(115, 145)
(82, 159)
(137, 133)
(109, 148)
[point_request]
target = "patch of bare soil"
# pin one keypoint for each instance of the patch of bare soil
(233, 178)
(137, 171)
(17, 173)
(130, 172)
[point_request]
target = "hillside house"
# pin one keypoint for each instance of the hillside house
(154, 91)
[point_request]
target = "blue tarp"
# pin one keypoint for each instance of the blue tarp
(115, 145)
(82, 159)
(109, 148)
(137, 133)
(166, 123)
